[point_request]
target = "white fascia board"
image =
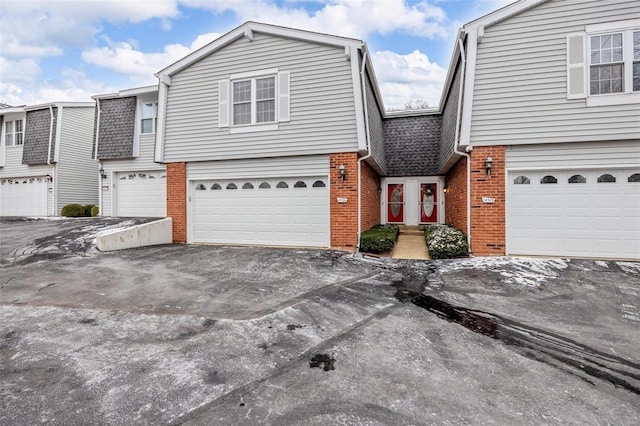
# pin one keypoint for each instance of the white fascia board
(128, 93)
(469, 83)
(59, 104)
(501, 14)
(413, 113)
(249, 28)
(374, 80)
(12, 110)
(358, 99)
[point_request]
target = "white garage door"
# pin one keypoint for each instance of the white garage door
(574, 213)
(23, 196)
(141, 194)
(274, 211)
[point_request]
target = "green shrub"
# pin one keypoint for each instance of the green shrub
(94, 211)
(445, 242)
(87, 209)
(73, 210)
(379, 238)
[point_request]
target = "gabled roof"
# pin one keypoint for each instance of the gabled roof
(246, 30)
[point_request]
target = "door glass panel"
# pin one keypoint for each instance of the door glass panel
(395, 203)
(428, 203)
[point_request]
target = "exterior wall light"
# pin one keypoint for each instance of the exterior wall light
(446, 189)
(343, 172)
(488, 164)
(103, 174)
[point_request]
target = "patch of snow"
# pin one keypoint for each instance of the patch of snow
(629, 267)
(602, 264)
(529, 272)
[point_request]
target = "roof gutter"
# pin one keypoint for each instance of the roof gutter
(368, 140)
(456, 145)
(50, 134)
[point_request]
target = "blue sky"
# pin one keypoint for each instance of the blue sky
(69, 50)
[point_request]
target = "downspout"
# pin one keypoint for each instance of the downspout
(53, 169)
(367, 137)
(95, 157)
(457, 139)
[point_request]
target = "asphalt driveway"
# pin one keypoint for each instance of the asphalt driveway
(243, 335)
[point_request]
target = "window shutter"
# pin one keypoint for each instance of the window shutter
(284, 113)
(576, 66)
(223, 103)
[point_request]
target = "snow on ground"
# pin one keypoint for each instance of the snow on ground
(530, 272)
(629, 267)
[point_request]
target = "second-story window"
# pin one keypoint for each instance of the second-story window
(614, 62)
(148, 116)
(254, 101)
(14, 132)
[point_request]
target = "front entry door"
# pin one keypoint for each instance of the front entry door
(395, 203)
(428, 203)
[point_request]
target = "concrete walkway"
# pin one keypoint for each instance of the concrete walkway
(410, 245)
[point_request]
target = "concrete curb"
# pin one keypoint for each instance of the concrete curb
(146, 234)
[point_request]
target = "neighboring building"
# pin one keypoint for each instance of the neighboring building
(133, 185)
(550, 92)
(45, 158)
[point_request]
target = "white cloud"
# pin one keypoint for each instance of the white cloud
(124, 58)
(39, 28)
(351, 18)
(408, 77)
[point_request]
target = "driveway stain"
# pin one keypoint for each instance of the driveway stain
(323, 361)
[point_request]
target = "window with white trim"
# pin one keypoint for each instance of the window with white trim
(603, 63)
(148, 117)
(254, 101)
(14, 132)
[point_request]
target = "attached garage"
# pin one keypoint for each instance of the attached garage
(25, 196)
(141, 194)
(283, 211)
(574, 212)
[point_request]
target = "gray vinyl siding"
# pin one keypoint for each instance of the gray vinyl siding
(574, 155)
(14, 167)
(321, 100)
(521, 83)
(449, 123)
(77, 177)
(310, 165)
(376, 131)
(144, 162)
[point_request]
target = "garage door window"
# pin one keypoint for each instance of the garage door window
(577, 179)
(201, 187)
(265, 185)
(319, 184)
(216, 187)
(247, 185)
(548, 179)
(521, 180)
(300, 184)
(232, 186)
(282, 185)
(634, 178)
(606, 178)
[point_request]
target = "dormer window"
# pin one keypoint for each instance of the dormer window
(148, 117)
(14, 133)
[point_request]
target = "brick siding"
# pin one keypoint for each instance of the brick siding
(343, 216)
(455, 212)
(177, 200)
(488, 220)
(370, 184)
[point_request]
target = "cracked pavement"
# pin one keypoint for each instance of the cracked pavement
(228, 335)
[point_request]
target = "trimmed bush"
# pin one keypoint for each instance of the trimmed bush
(379, 238)
(94, 211)
(73, 210)
(445, 242)
(87, 209)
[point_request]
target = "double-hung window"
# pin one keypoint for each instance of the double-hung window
(254, 101)
(14, 132)
(148, 117)
(603, 63)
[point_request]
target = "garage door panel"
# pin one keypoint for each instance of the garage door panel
(267, 215)
(25, 196)
(141, 194)
(573, 219)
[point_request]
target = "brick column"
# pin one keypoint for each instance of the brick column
(344, 216)
(455, 207)
(488, 219)
(177, 200)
